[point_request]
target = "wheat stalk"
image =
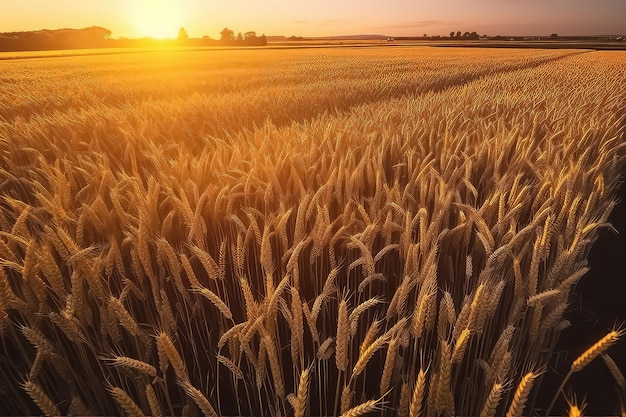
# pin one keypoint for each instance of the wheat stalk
(398, 198)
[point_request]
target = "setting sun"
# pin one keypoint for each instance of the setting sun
(156, 18)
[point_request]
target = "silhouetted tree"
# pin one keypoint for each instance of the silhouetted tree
(227, 35)
(182, 34)
(91, 37)
(466, 35)
(458, 34)
(452, 34)
(250, 35)
(97, 32)
(239, 37)
(554, 35)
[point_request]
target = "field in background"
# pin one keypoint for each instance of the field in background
(298, 231)
(334, 43)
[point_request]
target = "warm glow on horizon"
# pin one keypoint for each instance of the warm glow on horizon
(159, 19)
(163, 18)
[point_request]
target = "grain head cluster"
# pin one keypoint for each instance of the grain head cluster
(299, 232)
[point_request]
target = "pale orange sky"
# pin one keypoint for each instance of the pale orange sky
(163, 18)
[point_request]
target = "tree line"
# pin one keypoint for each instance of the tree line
(92, 37)
(99, 37)
(466, 35)
(227, 37)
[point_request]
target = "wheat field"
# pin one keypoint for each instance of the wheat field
(306, 232)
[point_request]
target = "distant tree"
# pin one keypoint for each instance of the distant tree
(227, 35)
(466, 35)
(452, 34)
(239, 37)
(96, 32)
(458, 34)
(474, 35)
(249, 35)
(425, 35)
(554, 35)
(182, 34)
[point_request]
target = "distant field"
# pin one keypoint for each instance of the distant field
(529, 44)
(323, 231)
(331, 43)
(539, 44)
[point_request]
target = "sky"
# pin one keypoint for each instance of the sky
(163, 18)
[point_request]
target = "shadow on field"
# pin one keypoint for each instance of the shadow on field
(598, 305)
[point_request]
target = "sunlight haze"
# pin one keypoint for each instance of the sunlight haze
(163, 18)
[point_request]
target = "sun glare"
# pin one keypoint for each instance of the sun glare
(158, 19)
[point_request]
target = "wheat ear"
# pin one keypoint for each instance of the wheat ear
(45, 404)
(232, 366)
(343, 337)
(217, 301)
(493, 400)
(367, 355)
(131, 409)
(166, 348)
(405, 398)
(615, 371)
(460, 346)
(153, 402)
(325, 350)
(418, 394)
(130, 363)
(619, 379)
(303, 390)
(521, 395)
(201, 401)
(596, 350)
(575, 411)
(346, 399)
(366, 407)
(390, 360)
(583, 360)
